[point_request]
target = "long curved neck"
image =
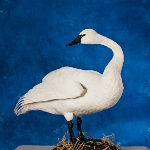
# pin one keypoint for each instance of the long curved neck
(118, 56)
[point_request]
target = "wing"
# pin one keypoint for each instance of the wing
(47, 91)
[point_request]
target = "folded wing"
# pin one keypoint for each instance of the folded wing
(48, 91)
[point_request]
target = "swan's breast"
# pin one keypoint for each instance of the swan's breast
(112, 87)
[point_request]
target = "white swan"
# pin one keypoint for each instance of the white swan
(74, 92)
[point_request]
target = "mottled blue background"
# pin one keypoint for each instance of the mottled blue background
(33, 34)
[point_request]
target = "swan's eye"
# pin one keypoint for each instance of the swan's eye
(83, 35)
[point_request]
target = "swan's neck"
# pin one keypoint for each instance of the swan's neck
(118, 56)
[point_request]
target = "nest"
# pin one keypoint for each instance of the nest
(105, 143)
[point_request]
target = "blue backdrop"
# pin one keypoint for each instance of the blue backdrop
(33, 34)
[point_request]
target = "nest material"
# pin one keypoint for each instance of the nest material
(105, 143)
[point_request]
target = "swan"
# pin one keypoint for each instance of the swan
(74, 92)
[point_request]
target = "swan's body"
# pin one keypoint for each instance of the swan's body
(69, 91)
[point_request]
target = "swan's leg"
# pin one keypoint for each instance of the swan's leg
(80, 134)
(70, 127)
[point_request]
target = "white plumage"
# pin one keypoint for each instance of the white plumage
(69, 91)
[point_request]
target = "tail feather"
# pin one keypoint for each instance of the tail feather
(20, 107)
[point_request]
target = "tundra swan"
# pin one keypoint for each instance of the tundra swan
(74, 92)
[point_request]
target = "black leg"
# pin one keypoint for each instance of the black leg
(80, 134)
(70, 127)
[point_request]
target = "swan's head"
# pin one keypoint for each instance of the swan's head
(87, 36)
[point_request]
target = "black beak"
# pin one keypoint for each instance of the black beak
(76, 41)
